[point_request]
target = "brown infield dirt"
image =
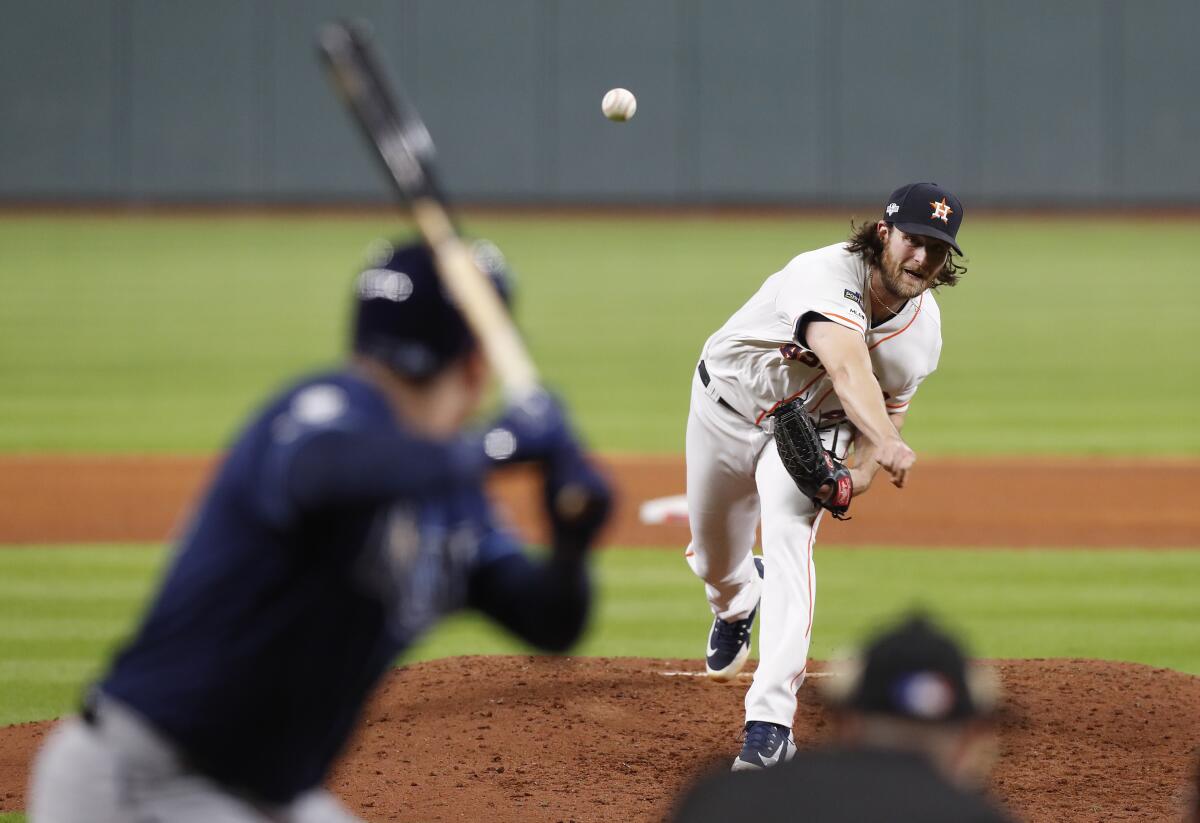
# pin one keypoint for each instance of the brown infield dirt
(1002, 502)
(615, 739)
(587, 739)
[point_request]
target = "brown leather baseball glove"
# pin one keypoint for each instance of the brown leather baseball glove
(818, 474)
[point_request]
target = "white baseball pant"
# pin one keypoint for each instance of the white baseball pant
(734, 476)
(123, 770)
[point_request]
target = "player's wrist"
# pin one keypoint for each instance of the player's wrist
(862, 478)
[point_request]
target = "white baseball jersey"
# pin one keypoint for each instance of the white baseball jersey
(756, 363)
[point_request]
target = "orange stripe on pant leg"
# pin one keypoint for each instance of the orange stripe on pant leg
(812, 538)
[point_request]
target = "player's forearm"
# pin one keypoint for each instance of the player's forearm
(863, 465)
(546, 604)
(862, 400)
(863, 468)
(844, 354)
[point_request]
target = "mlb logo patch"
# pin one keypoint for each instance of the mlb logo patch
(853, 295)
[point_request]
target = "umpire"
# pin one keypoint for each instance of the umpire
(347, 518)
(912, 738)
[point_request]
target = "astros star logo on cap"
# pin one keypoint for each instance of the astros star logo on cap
(941, 211)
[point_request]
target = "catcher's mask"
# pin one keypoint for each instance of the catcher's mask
(403, 315)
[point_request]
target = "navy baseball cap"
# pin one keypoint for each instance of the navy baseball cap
(916, 671)
(926, 209)
(404, 316)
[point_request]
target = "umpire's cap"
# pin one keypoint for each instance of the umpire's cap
(926, 209)
(914, 671)
(404, 316)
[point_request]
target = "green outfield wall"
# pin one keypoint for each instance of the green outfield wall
(796, 101)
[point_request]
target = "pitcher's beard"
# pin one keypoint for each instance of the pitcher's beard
(896, 282)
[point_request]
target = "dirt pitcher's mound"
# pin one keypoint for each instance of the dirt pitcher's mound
(592, 739)
(618, 739)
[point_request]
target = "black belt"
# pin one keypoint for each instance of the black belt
(705, 379)
(89, 707)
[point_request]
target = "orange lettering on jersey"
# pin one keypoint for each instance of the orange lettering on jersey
(790, 351)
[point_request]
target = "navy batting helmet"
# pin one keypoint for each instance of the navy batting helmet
(405, 318)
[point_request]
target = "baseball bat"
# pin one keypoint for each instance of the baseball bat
(402, 143)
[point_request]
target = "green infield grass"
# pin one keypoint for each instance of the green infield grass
(159, 333)
(64, 609)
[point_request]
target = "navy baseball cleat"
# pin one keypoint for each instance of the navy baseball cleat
(729, 643)
(766, 744)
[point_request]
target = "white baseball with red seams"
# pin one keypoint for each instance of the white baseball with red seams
(618, 104)
(734, 474)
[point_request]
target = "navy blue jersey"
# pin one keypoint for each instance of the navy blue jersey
(329, 540)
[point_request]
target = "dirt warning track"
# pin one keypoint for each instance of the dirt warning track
(1015, 502)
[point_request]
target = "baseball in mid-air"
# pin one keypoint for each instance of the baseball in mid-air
(618, 105)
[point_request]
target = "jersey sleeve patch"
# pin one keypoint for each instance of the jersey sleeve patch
(318, 405)
(315, 407)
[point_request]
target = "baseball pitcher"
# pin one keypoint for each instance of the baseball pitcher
(347, 518)
(820, 364)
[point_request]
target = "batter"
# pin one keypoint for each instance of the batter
(347, 519)
(852, 330)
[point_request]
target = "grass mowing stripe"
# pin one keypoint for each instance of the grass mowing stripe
(46, 671)
(1129, 605)
(89, 560)
(62, 612)
(57, 629)
(19, 591)
(1124, 605)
